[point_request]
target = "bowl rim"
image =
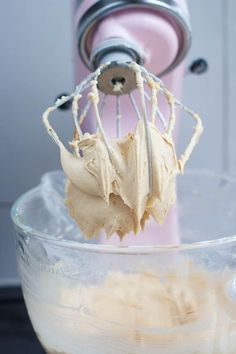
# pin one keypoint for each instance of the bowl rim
(27, 230)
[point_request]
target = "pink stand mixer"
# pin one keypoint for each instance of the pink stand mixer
(155, 34)
(98, 296)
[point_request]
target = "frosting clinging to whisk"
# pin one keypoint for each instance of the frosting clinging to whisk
(117, 184)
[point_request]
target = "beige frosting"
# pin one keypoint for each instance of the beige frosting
(116, 185)
(112, 192)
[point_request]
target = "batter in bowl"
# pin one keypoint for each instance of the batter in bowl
(142, 312)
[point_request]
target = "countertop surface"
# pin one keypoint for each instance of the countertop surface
(16, 333)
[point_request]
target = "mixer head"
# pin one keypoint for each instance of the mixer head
(111, 32)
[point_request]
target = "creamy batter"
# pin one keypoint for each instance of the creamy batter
(142, 312)
(112, 192)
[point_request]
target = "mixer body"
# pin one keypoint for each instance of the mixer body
(155, 34)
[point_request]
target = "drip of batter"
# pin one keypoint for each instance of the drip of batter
(117, 184)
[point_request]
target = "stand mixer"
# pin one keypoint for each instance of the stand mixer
(152, 293)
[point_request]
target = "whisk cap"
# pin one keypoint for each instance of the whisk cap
(117, 78)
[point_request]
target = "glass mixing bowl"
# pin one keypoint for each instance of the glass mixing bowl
(98, 298)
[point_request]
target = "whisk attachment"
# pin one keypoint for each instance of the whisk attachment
(131, 177)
